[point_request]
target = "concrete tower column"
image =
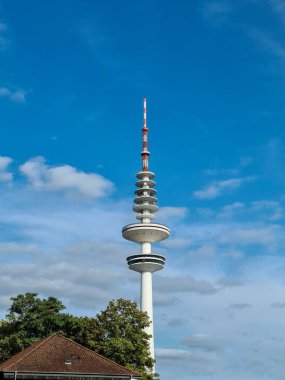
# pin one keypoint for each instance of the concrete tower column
(146, 305)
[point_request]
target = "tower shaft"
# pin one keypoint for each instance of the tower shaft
(146, 298)
(147, 306)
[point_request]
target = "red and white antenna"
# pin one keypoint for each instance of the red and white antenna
(145, 152)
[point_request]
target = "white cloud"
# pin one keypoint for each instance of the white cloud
(176, 243)
(229, 211)
(17, 96)
(52, 244)
(4, 162)
(66, 178)
(5, 176)
(257, 210)
(173, 353)
(214, 251)
(165, 300)
(56, 275)
(229, 282)
(12, 248)
(275, 210)
(204, 213)
(204, 251)
(166, 213)
(184, 284)
(202, 342)
(222, 172)
(198, 365)
(225, 237)
(218, 188)
(267, 236)
(219, 340)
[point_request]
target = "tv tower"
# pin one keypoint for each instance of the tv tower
(145, 233)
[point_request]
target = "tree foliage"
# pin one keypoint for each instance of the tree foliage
(120, 336)
(117, 332)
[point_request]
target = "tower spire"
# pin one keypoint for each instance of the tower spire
(145, 153)
(145, 233)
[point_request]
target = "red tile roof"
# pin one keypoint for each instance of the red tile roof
(57, 354)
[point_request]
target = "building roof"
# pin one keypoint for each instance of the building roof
(57, 354)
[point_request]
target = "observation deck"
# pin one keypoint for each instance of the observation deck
(145, 232)
(146, 263)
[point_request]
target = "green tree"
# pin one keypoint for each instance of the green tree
(29, 319)
(117, 332)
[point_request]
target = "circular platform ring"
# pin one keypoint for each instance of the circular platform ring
(150, 191)
(146, 263)
(141, 175)
(142, 216)
(150, 208)
(146, 182)
(149, 255)
(145, 198)
(146, 232)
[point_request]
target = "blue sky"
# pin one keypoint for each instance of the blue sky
(73, 75)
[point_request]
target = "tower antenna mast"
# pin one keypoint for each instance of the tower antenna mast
(145, 152)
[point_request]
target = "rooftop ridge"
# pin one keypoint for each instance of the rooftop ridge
(37, 344)
(94, 352)
(33, 347)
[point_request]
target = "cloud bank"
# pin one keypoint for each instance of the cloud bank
(224, 267)
(43, 177)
